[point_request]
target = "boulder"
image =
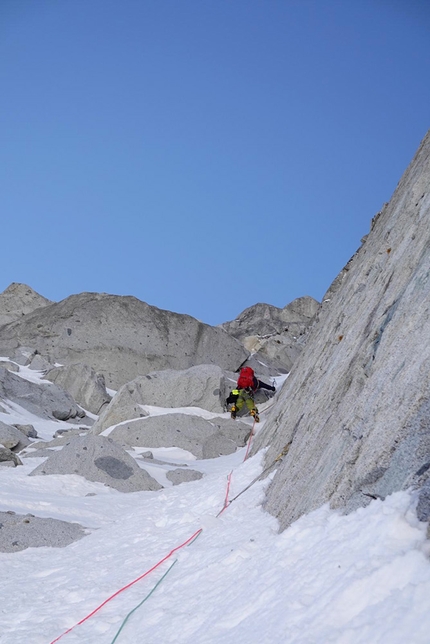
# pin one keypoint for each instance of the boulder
(67, 414)
(83, 384)
(21, 531)
(18, 300)
(58, 441)
(7, 456)
(203, 438)
(27, 430)
(24, 355)
(181, 475)
(201, 386)
(67, 432)
(39, 363)
(97, 458)
(12, 438)
(46, 400)
(355, 410)
(120, 337)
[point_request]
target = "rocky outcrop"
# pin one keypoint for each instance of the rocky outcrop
(18, 300)
(203, 438)
(7, 457)
(181, 475)
(12, 438)
(97, 458)
(83, 384)
(46, 400)
(27, 430)
(21, 531)
(201, 386)
(273, 334)
(355, 410)
(120, 337)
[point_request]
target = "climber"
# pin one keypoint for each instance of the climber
(247, 385)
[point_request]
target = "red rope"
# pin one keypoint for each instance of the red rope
(226, 503)
(188, 541)
(194, 536)
(249, 441)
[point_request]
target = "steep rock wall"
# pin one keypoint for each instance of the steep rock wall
(356, 407)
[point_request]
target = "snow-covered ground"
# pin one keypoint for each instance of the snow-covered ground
(357, 579)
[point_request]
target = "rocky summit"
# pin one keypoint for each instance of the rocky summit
(91, 386)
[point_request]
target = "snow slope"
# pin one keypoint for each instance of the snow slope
(357, 579)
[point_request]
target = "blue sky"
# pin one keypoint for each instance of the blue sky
(200, 155)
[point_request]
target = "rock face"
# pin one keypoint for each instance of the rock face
(120, 337)
(83, 384)
(97, 458)
(274, 334)
(355, 409)
(200, 386)
(18, 300)
(203, 438)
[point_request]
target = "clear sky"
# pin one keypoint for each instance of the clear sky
(202, 155)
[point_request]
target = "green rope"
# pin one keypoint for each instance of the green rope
(195, 539)
(149, 594)
(143, 600)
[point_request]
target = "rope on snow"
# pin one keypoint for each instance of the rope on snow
(142, 602)
(189, 541)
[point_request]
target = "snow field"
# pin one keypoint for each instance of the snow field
(357, 579)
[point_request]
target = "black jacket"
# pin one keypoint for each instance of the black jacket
(262, 385)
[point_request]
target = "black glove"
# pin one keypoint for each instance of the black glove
(231, 399)
(272, 389)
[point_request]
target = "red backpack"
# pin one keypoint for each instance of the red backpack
(246, 379)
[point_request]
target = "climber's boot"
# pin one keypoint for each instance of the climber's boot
(254, 413)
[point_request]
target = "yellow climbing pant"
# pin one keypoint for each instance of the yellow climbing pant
(245, 397)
